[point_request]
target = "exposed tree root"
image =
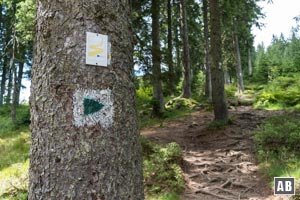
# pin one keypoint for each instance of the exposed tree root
(212, 194)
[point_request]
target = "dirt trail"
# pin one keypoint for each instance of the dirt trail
(218, 164)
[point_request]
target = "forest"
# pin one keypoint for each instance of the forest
(187, 108)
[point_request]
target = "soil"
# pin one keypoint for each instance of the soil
(218, 163)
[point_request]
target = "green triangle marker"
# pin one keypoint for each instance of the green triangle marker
(91, 106)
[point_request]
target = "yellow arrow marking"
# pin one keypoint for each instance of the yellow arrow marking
(96, 49)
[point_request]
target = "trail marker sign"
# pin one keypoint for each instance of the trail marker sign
(91, 107)
(96, 49)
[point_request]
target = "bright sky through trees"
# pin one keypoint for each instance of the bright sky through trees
(279, 19)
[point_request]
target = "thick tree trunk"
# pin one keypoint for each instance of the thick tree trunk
(186, 87)
(208, 90)
(218, 93)
(158, 105)
(239, 71)
(170, 50)
(84, 125)
(250, 68)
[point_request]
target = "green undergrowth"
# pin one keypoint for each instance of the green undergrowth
(163, 177)
(174, 108)
(281, 93)
(14, 154)
(278, 145)
(6, 124)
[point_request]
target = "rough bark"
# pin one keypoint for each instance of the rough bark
(208, 90)
(239, 71)
(158, 105)
(170, 50)
(186, 87)
(218, 92)
(68, 159)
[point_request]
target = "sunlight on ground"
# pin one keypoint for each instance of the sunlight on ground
(15, 176)
(14, 162)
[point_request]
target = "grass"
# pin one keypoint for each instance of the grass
(14, 154)
(175, 108)
(278, 145)
(280, 93)
(163, 176)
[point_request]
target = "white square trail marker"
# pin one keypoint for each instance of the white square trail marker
(96, 49)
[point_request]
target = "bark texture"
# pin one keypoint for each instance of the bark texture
(186, 87)
(85, 162)
(158, 105)
(218, 92)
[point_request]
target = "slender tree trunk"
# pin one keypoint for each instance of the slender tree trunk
(9, 87)
(239, 71)
(19, 82)
(14, 104)
(177, 28)
(170, 50)
(1, 47)
(14, 76)
(3, 81)
(227, 77)
(186, 87)
(84, 125)
(16, 91)
(158, 105)
(208, 90)
(218, 93)
(250, 62)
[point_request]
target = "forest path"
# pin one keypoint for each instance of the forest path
(218, 163)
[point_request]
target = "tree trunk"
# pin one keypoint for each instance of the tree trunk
(84, 125)
(16, 91)
(250, 62)
(186, 87)
(208, 90)
(19, 82)
(170, 49)
(217, 76)
(178, 69)
(3, 81)
(14, 75)
(239, 71)
(158, 105)
(9, 87)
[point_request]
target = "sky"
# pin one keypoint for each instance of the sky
(279, 19)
